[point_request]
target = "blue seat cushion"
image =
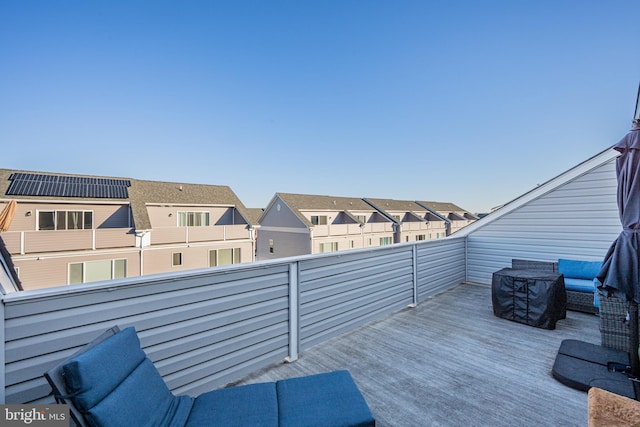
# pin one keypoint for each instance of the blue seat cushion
(579, 269)
(325, 400)
(115, 384)
(579, 285)
(248, 405)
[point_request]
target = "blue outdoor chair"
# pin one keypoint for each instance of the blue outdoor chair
(111, 382)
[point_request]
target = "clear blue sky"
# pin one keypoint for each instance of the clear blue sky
(473, 102)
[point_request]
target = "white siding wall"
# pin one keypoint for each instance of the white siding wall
(285, 243)
(576, 220)
(290, 235)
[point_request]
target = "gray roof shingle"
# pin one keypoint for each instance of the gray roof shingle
(143, 192)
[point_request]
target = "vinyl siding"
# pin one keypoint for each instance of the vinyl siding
(285, 243)
(339, 293)
(202, 330)
(159, 259)
(104, 216)
(577, 220)
(167, 216)
(207, 328)
(115, 238)
(284, 217)
(440, 265)
(290, 235)
(48, 271)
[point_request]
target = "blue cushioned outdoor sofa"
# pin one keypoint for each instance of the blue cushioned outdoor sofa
(579, 280)
(581, 284)
(112, 382)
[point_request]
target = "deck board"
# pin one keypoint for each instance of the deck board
(451, 362)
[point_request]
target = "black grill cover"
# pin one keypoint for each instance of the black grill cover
(535, 298)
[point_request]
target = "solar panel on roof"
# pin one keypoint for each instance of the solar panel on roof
(31, 184)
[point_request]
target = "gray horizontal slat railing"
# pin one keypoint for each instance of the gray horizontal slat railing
(440, 266)
(207, 328)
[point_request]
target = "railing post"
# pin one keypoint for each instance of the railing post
(415, 274)
(294, 321)
(466, 260)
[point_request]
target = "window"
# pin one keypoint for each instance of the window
(93, 271)
(406, 239)
(176, 259)
(270, 246)
(319, 219)
(76, 273)
(97, 270)
(65, 220)
(219, 257)
(361, 218)
(193, 219)
(328, 247)
(385, 241)
(119, 268)
(88, 220)
(46, 221)
(420, 237)
(352, 244)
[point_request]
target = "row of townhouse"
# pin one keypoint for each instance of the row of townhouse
(294, 224)
(68, 229)
(61, 229)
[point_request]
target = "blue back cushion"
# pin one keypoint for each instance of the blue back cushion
(115, 384)
(95, 373)
(579, 269)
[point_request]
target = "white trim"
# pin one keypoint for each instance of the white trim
(186, 217)
(84, 270)
(173, 264)
(285, 229)
(233, 256)
(122, 202)
(573, 173)
(294, 316)
(80, 253)
(55, 219)
(199, 205)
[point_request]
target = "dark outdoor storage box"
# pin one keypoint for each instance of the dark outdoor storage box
(535, 298)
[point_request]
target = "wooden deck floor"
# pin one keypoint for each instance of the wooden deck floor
(451, 362)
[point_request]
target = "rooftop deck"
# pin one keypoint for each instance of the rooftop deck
(451, 362)
(448, 361)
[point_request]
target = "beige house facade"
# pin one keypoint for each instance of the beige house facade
(67, 229)
(297, 224)
(414, 222)
(457, 218)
